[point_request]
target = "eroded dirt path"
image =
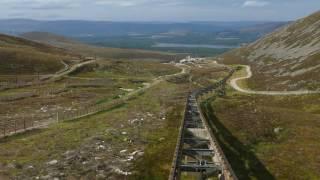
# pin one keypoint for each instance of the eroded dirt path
(234, 85)
(70, 70)
(184, 69)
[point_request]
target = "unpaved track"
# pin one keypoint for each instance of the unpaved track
(235, 86)
(184, 69)
(66, 67)
(71, 69)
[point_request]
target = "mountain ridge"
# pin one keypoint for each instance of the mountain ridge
(109, 28)
(21, 56)
(75, 46)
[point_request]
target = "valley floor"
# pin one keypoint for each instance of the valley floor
(264, 137)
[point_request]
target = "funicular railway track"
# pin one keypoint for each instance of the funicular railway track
(198, 154)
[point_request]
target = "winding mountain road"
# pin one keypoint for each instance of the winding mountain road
(235, 86)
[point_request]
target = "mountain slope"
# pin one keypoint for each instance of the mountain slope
(20, 56)
(287, 59)
(90, 50)
(49, 38)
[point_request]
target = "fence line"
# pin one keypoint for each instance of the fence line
(14, 84)
(10, 85)
(96, 108)
(17, 96)
(50, 91)
(87, 84)
(12, 126)
(35, 93)
(83, 112)
(9, 127)
(90, 110)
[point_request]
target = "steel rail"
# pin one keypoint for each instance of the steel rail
(191, 113)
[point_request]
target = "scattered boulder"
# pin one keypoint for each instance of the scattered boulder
(121, 172)
(11, 166)
(53, 162)
(123, 151)
(69, 155)
(97, 158)
(149, 114)
(130, 158)
(30, 167)
(101, 147)
(277, 130)
(101, 176)
(45, 177)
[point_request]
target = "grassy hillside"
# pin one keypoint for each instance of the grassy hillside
(19, 56)
(126, 69)
(89, 50)
(268, 137)
(288, 59)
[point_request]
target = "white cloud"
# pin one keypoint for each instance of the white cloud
(254, 3)
(129, 3)
(123, 3)
(39, 4)
(158, 10)
(116, 2)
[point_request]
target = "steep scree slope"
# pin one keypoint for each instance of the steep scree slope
(287, 59)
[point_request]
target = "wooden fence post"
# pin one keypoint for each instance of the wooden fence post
(4, 129)
(24, 123)
(15, 126)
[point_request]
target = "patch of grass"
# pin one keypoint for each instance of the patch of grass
(243, 161)
(159, 153)
(37, 147)
(161, 142)
(142, 70)
(107, 99)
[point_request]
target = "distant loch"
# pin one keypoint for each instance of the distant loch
(176, 45)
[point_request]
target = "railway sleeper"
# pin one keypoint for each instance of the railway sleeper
(207, 169)
(199, 152)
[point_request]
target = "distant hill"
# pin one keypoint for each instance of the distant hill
(288, 58)
(20, 56)
(90, 50)
(48, 38)
(146, 35)
(262, 28)
(79, 28)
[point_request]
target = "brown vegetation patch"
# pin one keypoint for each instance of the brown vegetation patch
(282, 132)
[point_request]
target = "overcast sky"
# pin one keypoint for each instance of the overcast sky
(159, 10)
